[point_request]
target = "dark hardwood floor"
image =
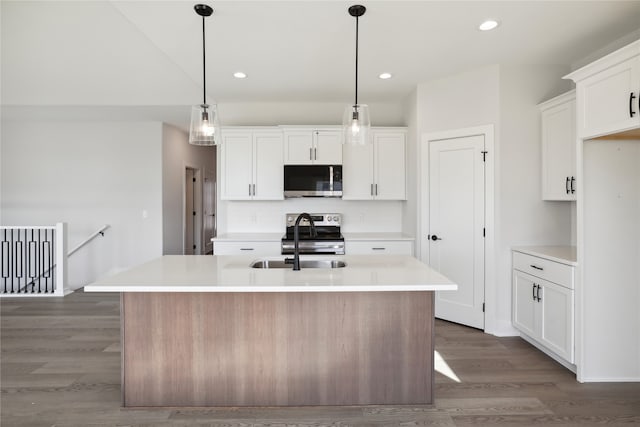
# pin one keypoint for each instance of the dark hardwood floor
(60, 366)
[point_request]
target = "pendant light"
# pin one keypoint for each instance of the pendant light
(204, 129)
(356, 124)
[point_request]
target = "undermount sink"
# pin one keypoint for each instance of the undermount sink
(304, 263)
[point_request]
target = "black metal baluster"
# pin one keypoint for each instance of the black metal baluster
(13, 259)
(47, 272)
(18, 252)
(40, 261)
(32, 259)
(5, 260)
(52, 261)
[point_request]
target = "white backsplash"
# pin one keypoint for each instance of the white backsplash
(269, 216)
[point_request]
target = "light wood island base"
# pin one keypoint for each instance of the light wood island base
(277, 349)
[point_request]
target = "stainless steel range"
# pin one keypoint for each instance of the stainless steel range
(328, 239)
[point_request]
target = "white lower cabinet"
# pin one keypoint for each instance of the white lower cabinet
(544, 310)
(388, 247)
(262, 248)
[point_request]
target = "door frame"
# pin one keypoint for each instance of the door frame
(197, 201)
(487, 131)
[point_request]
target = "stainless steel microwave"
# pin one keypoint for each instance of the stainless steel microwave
(313, 181)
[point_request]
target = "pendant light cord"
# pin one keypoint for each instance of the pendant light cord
(356, 61)
(204, 69)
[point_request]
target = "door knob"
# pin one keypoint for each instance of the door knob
(434, 237)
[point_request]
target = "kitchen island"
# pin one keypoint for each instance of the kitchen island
(213, 331)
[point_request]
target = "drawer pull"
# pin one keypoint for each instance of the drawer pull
(533, 291)
(573, 190)
(378, 249)
(566, 185)
(536, 267)
(538, 294)
(246, 249)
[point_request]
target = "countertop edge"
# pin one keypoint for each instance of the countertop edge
(271, 289)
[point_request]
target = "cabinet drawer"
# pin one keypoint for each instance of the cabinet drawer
(246, 248)
(389, 247)
(552, 271)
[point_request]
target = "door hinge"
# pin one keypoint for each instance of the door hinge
(484, 156)
(194, 213)
(194, 246)
(194, 180)
(483, 307)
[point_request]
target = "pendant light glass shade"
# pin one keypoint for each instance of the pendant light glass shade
(356, 125)
(205, 127)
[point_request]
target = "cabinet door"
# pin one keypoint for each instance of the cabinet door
(389, 166)
(237, 166)
(328, 147)
(558, 152)
(298, 147)
(556, 319)
(268, 166)
(524, 304)
(605, 100)
(357, 172)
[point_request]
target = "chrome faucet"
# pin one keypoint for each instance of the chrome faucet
(296, 240)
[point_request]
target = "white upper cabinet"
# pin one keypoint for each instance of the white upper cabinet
(251, 165)
(304, 146)
(559, 147)
(608, 91)
(376, 171)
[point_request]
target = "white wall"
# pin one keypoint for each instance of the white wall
(357, 216)
(507, 98)
(410, 208)
(524, 218)
(88, 175)
(303, 113)
(177, 154)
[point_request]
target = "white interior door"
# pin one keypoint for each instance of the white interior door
(209, 209)
(189, 212)
(456, 226)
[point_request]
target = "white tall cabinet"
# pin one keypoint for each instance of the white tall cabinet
(608, 217)
(376, 171)
(251, 164)
(558, 119)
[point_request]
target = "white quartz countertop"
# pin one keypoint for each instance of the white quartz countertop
(231, 273)
(376, 236)
(561, 254)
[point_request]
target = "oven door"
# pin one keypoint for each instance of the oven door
(327, 247)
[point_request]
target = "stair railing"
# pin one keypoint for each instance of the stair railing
(33, 260)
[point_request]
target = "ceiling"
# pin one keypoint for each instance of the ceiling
(147, 55)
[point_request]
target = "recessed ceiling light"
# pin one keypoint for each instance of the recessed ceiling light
(385, 76)
(488, 25)
(239, 75)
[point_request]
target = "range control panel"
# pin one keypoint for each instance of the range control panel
(334, 219)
